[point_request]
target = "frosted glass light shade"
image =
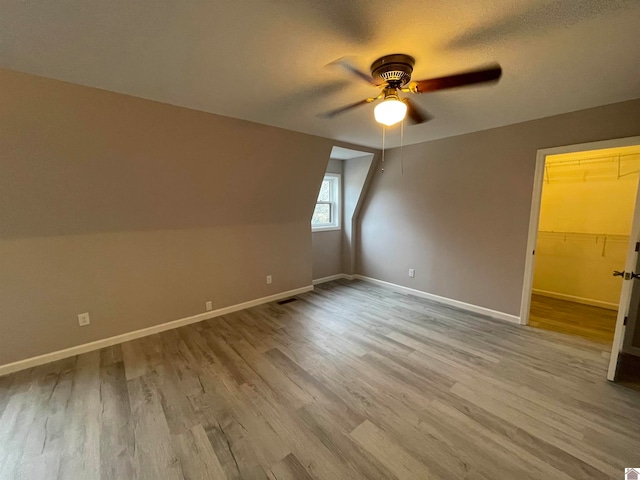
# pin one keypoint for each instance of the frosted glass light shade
(390, 112)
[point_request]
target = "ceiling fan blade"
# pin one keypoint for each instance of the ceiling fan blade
(489, 74)
(416, 114)
(344, 63)
(346, 108)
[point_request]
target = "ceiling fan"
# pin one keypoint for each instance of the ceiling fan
(392, 74)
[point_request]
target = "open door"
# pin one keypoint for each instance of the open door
(630, 290)
(630, 293)
(633, 317)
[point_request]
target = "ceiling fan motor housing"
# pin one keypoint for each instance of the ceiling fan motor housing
(394, 70)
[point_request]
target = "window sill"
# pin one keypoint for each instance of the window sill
(324, 229)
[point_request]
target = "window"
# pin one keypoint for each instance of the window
(326, 215)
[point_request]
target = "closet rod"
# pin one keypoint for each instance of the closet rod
(584, 234)
(552, 162)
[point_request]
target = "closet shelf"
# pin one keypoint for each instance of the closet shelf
(586, 236)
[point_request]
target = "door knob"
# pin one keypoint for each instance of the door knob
(635, 275)
(616, 273)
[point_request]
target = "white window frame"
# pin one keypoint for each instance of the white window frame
(336, 194)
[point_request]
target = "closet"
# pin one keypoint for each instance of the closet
(585, 221)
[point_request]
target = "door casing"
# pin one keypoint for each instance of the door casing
(534, 219)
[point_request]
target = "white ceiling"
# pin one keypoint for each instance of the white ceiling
(339, 153)
(265, 60)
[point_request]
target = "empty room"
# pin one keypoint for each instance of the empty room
(289, 240)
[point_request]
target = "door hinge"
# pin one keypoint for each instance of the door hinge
(637, 246)
(624, 322)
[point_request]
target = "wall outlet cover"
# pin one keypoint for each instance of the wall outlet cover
(84, 319)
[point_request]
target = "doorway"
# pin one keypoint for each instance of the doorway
(585, 222)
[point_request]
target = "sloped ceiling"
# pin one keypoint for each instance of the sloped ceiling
(266, 61)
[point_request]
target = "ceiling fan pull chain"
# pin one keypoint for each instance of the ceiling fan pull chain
(384, 129)
(402, 147)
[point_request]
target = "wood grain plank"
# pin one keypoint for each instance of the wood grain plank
(80, 457)
(117, 440)
(154, 456)
(289, 468)
(398, 461)
(198, 460)
(351, 381)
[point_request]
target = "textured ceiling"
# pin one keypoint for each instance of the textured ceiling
(266, 61)
(339, 153)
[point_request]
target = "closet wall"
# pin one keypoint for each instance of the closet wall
(585, 222)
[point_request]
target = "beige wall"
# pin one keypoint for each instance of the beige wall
(589, 207)
(334, 252)
(327, 253)
(327, 245)
(579, 268)
(460, 213)
(356, 178)
(139, 212)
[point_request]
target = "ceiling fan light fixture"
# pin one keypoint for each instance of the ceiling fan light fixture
(390, 111)
(392, 74)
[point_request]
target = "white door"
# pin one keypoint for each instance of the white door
(631, 263)
(633, 315)
(629, 284)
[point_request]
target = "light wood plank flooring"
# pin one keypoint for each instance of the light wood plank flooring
(593, 323)
(351, 381)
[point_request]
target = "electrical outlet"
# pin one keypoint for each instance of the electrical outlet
(269, 280)
(208, 306)
(83, 319)
(412, 273)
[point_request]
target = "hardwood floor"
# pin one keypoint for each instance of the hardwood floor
(593, 323)
(351, 381)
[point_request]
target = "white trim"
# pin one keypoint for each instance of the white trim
(444, 300)
(325, 229)
(125, 337)
(331, 278)
(536, 199)
(534, 218)
(336, 204)
(572, 298)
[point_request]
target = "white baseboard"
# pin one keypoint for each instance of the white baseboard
(446, 301)
(332, 278)
(125, 337)
(572, 298)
